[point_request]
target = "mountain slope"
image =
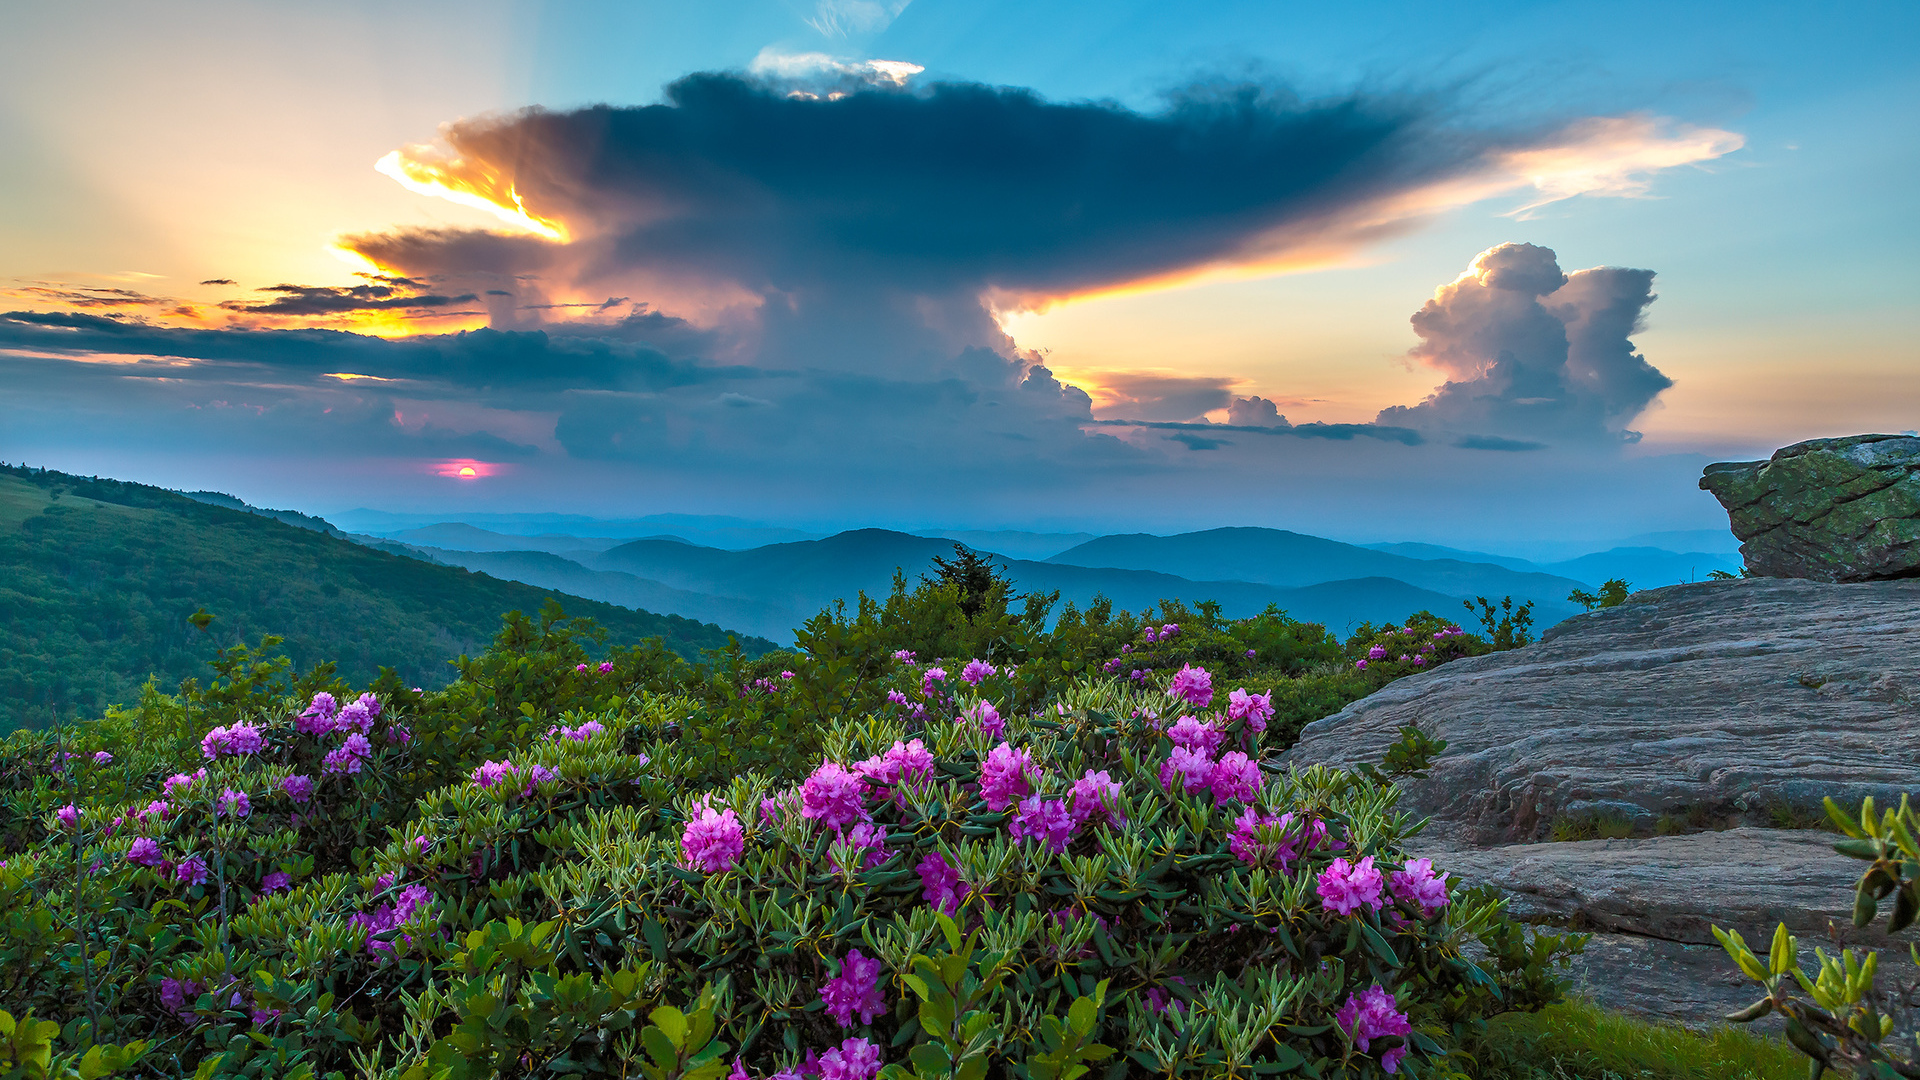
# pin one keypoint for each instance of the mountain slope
(1645, 567)
(1290, 559)
(796, 580)
(97, 578)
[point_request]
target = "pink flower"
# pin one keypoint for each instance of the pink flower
(855, 990)
(490, 772)
(854, 1059)
(931, 680)
(192, 871)
(69, 816)
(1196, 735)
(1096, 795)
(101, 757)
(298, 788)
(144, 851)
(834, 796)
(896, 697)
(318, 719)
(1378, 652)
(1369, 1015)
(1169, 630)
(1419, 661)
(1418, 884)
(606, 666)
(775, 807)
(1193, 767)
(232, 802)
(1262, 838)
(904, 655)
(903, 763)
(1235, 776)
(238, 739)
(1255, 709)
(987, 717)
(350, 756)
(182, 780)
(940, 883)
(276, 881)
(1045, 820)
(869, 844)
(1345, 887)
(1004, 776)
(1359, 665)
(579, 667)
(1192, 685)
(156, 808)
(976, 670)
(713, 842)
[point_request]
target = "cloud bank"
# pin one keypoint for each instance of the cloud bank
(790, 280)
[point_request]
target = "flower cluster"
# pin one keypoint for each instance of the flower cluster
(348, 757)
(1194, 685)
(940, 884)
(578, 734)
(976, 671)
(1006, 776)
(834, 795)
(713, 841)
(1044, 820)
(983, 715)
(855, 990)
(1372, 1014)
(1417, 884)
(239, 739)
(1345, 888)
(382, 920)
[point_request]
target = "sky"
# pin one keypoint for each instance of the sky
(1473, 274)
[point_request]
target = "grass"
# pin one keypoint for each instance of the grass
(1578, 1040)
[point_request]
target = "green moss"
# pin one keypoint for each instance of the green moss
(1578, 1040)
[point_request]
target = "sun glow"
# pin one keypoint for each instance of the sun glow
(465, 469)
(455, 180)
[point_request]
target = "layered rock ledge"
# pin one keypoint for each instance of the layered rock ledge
(1827, 509)
(1742, 695)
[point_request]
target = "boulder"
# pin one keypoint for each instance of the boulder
(1651, 904)
(1827, 509)
(1755, 695)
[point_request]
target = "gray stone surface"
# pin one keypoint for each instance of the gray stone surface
(1723, 694)
(1828, 509)
(1677, 887)
(1650, 905)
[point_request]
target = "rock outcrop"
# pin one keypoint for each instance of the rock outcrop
(1707, 702)
(1752, 695)
(1827, 509)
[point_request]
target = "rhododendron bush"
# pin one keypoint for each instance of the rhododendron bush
(941, 866)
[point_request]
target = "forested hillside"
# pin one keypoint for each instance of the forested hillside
(98, 577)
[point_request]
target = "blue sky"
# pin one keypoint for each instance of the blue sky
(999, 352)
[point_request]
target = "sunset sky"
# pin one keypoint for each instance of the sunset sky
(1467, 273)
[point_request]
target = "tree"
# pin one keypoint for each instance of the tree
(978, 581)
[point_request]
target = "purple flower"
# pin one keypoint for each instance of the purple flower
(1419, 661)
(713, 842)
(69, 816)
(775, 807)
(940, 883)
(1347, 887)
(1004, 776)
(579, 667)
(356, 716)
(1169, 630)
(904, 655)
(869, 847)
(156, 808)
(382, 920)
(987, 717)
(1359, 665)
(1193, 766)
(276, 881)
(854, 1059)
(896, 697)
(931, 679)
(1418, 884)
(351, 754)
(1045, 820)
(144, 851)
(855, 990)
(1127, 648)
(1149, 634)
(606, 666)
(1249, 654)
(903, 763)
(1235, 776)
(1259, 839)
(491, 772)
(580, 734)
(1192, 685)
(232, 802)
(1255, 709)
(318, 719)
(101, 757)
(1369, 1015)
(178, 996)
(834, 796)
(238, 739)
(182, 780)
(298, 788)
(192, 871)
(1378, 652)
(1197, 735)
(976, 670)
(1096, 795)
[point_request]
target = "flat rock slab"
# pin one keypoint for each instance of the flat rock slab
(1721, 694)
(1677, 887)
(1828, 509)
(1693, 985)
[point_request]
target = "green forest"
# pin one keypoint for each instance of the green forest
(98, 579)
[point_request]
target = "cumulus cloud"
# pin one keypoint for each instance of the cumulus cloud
(1255, 411)
(1534, 353)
